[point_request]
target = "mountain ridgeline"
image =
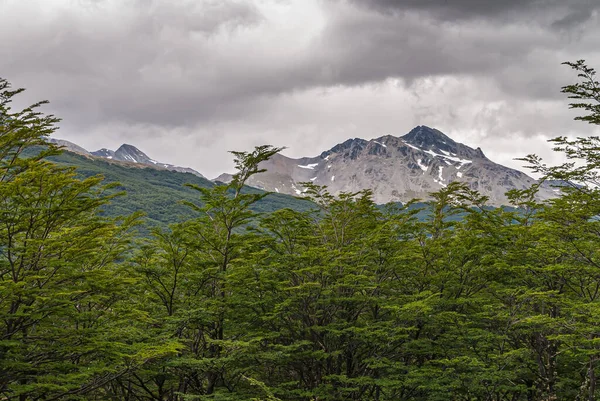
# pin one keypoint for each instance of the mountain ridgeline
(156, 190)
(128, 154)
(396, 169)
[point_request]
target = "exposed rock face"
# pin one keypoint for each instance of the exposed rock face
(105, 153)
(395, 169)
(126, 153)
(131, 154)
(70, 146)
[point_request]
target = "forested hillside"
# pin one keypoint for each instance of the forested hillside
(158, 193)
(343, 301)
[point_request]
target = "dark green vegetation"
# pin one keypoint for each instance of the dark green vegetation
(349, 301)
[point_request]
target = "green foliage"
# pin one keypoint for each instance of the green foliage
(338, 300)
(64, 319)
(587, 89)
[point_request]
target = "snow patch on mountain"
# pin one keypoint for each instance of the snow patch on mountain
(309, 166)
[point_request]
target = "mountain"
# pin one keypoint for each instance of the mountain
(396, 169)
(104, 153)
(158, 192)
(128, 154)
(70, 146)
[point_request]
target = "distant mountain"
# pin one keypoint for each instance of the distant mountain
(130, 154)
(104, 153)
(158, 192)
(70, 146)
(126, 154)
(396, 169)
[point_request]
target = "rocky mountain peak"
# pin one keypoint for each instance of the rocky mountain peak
(427, 138)
(106, 153)
(70, 146)
(432, 140)
(130, 153)
(125, 153)
(350, 148)
(394, 168)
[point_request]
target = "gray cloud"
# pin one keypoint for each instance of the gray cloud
(223, 74)
(573, 11)
(150, 60)
(176, 63)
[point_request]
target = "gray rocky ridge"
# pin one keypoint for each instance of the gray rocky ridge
(396, 169)
(125, 154)
(131, 154)
(105, 153)
(70, 146)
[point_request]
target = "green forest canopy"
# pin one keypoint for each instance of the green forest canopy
(348, 301)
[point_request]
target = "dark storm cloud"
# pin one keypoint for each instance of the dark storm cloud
(518, 43)
(449, 10)
(370, 48)
(575, 18)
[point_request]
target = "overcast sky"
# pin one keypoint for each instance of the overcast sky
(187, 80)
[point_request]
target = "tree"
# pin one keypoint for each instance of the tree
(63, 305)
(194, 274)
(588, 89)
(569, 233)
